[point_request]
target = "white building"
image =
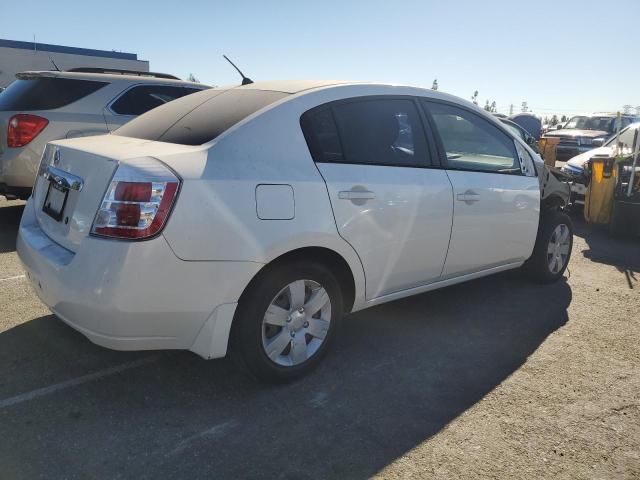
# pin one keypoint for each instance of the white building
(16, 56)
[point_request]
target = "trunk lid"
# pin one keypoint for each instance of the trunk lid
(86, 165)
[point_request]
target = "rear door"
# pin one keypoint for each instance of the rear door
(389, 202)
(497, 206)
(139, 99)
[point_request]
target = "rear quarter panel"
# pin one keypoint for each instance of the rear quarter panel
(215, 217)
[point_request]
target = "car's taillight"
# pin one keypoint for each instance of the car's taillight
(135, 207)
(23, 128)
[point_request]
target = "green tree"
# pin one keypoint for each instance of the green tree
(435, 84)
(474, 97)
(192, 78)
(554, 120)
(564, 119)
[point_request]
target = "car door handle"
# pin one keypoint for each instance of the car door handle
(468, 197)
(356, 195)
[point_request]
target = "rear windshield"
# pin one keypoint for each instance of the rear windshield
(200, 117)
(46, 93)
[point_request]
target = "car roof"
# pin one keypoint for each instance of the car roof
(303, 86)
(106, 77)
(292, 86)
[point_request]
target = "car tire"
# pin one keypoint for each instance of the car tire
(552, 250)
(274, 337)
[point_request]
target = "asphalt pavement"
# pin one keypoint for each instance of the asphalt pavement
(485, 378)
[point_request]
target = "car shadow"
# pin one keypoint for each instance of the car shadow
(9, 222)
(623, 253)
(399, 373)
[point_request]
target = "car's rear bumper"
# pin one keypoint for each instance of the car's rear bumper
(134, 295)
(18, 166)
(20, 192)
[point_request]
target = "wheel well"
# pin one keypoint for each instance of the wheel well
(334, 261)
(552, 202)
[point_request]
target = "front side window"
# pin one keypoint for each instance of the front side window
(141, 99)
(473, 143)
(367, 131)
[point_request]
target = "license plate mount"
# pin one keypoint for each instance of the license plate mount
(55, 201)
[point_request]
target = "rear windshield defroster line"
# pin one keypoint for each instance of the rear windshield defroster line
(200, 117)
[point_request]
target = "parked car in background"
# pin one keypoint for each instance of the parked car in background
(575, 166)
(42, 106)
(586, 132)
(528, 121)
(253, 215)
(522, 133)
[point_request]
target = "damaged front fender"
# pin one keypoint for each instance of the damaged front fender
(554, 187)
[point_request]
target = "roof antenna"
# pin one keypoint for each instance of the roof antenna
(53, 63)
(245, 80)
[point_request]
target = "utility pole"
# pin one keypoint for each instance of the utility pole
(525, 107)
(511, 109)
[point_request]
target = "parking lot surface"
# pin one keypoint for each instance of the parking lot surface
(493, 378)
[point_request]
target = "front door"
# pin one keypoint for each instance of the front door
(496, 205)
(389, 204)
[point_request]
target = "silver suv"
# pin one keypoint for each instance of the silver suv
(49, 105)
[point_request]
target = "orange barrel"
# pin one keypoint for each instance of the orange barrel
(598, 203)
(547, 148)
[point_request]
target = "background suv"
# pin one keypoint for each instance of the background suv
(583, 133)
(49, 105)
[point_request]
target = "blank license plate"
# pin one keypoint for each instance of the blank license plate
(55, 201)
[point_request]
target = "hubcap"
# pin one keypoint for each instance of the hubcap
(296, 323)
(558, 249)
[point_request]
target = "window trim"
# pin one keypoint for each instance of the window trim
(143, 84)
(442, 156)
(432, 161)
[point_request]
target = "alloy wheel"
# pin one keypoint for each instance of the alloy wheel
(296, 323)
(558, 248)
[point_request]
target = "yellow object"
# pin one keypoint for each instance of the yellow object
(547, 147)
(599, 199)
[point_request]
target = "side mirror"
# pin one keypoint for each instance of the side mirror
(598, 142)
(559, 126)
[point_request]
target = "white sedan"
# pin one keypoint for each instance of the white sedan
(254, 217)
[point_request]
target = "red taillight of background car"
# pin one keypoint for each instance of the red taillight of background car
(23, 128)
(135, 209)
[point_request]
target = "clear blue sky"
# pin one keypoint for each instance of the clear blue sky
(562, 56)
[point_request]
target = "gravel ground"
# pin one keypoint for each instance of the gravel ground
(496, 378)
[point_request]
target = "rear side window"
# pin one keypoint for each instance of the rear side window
(199, 118)
(367, 131)
(46, 93)
(473, 143)
(142, 98)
